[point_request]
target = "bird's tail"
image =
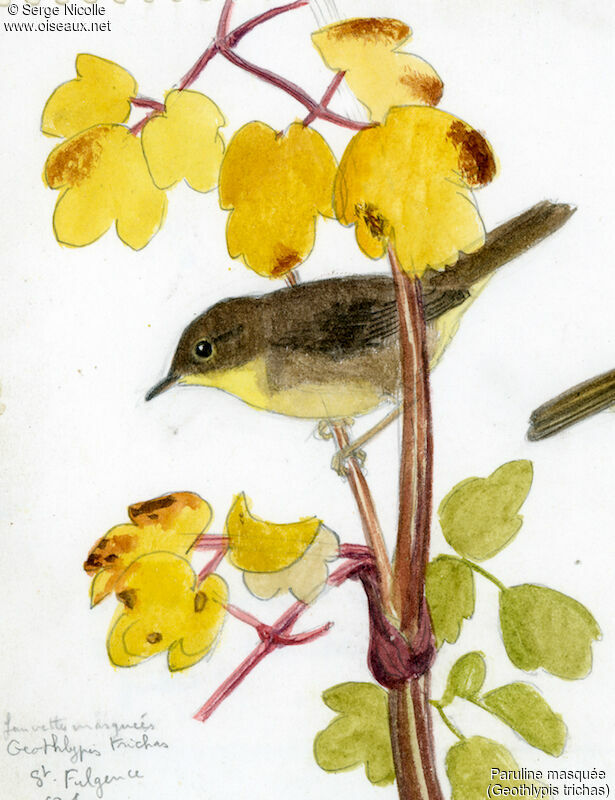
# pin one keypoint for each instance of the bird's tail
(572, 406)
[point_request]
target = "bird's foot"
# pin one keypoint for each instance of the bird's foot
(323, 431)
(340, 459)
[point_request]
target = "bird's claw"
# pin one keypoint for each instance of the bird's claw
(323, 431)
(340, 459)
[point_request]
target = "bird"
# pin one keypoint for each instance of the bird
(328, 349)
(572, 406)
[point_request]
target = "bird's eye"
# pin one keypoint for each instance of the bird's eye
(203, 349)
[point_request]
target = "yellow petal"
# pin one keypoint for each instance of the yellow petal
(182, 513)
(202, 626)
(102, 585)
(408, 182)
(116, 648)
(306, 578)
(104, 179)
(275, 185)
(157, 582)
(185, 142)
(100, 93)
(367, 49)
(259, 546)
(163, 609)
(171, 523)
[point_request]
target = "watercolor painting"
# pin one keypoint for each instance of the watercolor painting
(304, 241)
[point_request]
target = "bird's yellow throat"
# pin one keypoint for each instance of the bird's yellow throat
(312, 401)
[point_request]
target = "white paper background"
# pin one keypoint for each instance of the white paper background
(84, 334)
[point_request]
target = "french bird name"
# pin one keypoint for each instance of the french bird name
(66, 759)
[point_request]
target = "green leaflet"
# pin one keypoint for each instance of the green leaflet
(520, 706)
(359, 734)
(470, 765)
(466, 677)
(479, 516)
(449, 587)
(545, 628)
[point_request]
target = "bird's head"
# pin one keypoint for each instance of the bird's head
(224, 337)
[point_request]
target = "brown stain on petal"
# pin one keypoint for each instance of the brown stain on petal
(372, 29)
(476, 162)
(200, 600)
(162, 510)
(285, 260)
(107, 551)
(74, 161)
(377, 225)
(128, 597)
(428, 88)
(154, 637)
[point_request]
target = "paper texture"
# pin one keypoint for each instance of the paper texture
(85, 332)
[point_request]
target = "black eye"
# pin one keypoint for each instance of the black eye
(203, 349)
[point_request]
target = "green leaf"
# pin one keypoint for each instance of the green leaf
(466, 677)
(545, 628)
(475, 764)
(359, 734)
(479, 516)
(449, 586)
(520, 706)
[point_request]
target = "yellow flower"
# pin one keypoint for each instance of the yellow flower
(103, 178)
(171, 523)
(280, 557)
(100, 93)
(276, 185)
(162, 608)
(408, 182)
(185, 142)
(379, 75)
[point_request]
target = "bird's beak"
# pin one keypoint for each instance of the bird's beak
(161, 387)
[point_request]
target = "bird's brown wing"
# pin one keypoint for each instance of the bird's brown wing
(344, 316)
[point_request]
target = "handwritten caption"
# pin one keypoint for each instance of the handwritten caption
(68, 759)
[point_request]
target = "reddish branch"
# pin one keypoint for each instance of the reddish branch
(410, 714)
(273, 637)
(369, 518)
(224, 44)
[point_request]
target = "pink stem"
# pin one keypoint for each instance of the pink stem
(223, 22)
(280, 626)
(269, 633)
(293, 90)
(210, 541)
(194, 72)
(326, 98)
(138, 127)
(360, 551)
(231, 39)
(147, 102)
(212, 565)
(243, 616)
(303, 638)
(286, 621)
(235, 36)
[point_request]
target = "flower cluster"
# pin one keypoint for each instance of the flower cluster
(165, 605)
(106, 173)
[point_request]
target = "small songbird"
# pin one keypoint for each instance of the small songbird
(326, 349)
(329, 349)
(572, 406)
